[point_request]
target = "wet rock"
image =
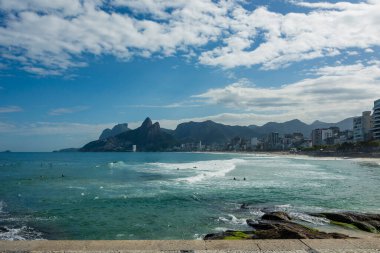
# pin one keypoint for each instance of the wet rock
(230, 235)
(274, 229)
(366, 222)
(288, 230)
(279, 216)
(244, 206)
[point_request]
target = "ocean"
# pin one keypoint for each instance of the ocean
(172, 195)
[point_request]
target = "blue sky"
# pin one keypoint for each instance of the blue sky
(70, 68)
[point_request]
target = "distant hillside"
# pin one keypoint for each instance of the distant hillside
(118, 129)
(150, 137)
(147, 137)
(343, 125)
(210, 132)
(299, 126)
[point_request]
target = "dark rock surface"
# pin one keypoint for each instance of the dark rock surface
(274, 225)
(278, 216)
(366, 222)
(147, 137)
(288, 230)
(118, 129)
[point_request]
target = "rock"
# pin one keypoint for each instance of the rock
(274, 229)
(366, 222)
(244, 206)
(230, 235)
(289, 230)
(117, 129)
(279, 216)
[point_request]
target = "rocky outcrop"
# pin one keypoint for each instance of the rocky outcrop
(147, 137)
(366, 222)
(274, 225)
(277, 216)
(118, 129)
(288, 230)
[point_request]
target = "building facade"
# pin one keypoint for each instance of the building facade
(362, 127)
(376, 120)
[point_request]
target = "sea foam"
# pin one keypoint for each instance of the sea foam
(199, 171)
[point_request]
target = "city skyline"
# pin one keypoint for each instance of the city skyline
(69, 69)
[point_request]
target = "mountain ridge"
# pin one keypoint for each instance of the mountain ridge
(151, 137)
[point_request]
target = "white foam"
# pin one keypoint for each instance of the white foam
(20, 234)
(233, 220)
(309, 218)
(117, 164)
(220, 229)
(203, 169)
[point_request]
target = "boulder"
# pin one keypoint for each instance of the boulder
(366, 222)
(289, 230)
(279, 216)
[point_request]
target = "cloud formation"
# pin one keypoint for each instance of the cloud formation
(9, 109)
(335, 93)
(67, 110)
(49, 37)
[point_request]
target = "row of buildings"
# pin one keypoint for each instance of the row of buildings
(365, 128)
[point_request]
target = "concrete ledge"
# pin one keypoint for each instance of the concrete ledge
(182, 246)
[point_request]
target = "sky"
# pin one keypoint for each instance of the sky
(71, 68)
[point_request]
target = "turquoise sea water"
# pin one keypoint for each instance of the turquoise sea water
(171, 195)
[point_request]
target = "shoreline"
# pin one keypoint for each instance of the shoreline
(321, 155)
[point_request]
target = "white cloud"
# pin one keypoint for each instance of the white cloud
(95, 27)
(9, 109)
(239, 37)
(67, 110)
(336, 93)
(54, 128)
(293, 37)
(191, 103)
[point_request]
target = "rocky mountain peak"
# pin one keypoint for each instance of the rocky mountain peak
(147, 123)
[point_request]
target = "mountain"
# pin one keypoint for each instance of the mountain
(287, 127)
(151, 137)
(343, 125)
(147, 137)
(118, 129)
(210, 132)
(299, 126)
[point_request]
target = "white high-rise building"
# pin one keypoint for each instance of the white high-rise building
(376, 120)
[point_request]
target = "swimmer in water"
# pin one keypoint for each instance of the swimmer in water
(234, 178)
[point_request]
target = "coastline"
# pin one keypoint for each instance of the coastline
(316, 155)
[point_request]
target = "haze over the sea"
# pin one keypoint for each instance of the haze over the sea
(69, 69)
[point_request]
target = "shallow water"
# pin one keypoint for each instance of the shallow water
(171, 195)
